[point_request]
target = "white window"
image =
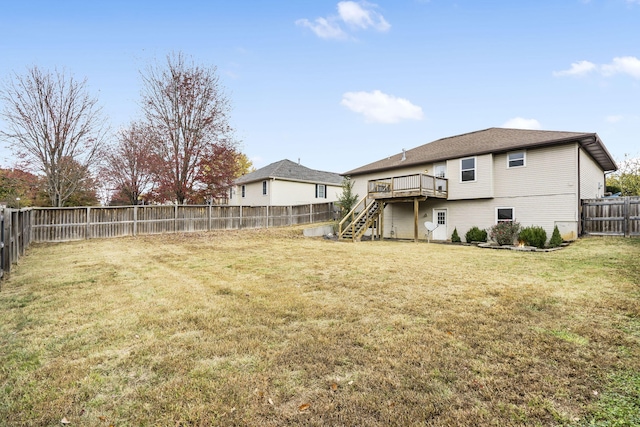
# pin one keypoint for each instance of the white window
(516, 159)
(505, 215)
(468, 169)
(244, 191)
(441, 218)
(264, 188)
(440, 170)
(230, 193)
(321, 191)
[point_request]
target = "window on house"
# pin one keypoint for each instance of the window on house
(321, 191)
(505, 215)
(230, 193)
(440, 170)
(468, 169)
(264, 188)
(244, 191)
(516, 159)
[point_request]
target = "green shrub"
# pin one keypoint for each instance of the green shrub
(504, 233)
(556, 238)
(533, 236)
(454, 237)
(476, 235)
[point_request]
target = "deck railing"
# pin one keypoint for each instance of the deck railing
(408, 186)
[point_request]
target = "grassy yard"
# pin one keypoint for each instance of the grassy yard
(267, 328)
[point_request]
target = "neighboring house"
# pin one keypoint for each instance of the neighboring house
(536, 178)
(285, 183)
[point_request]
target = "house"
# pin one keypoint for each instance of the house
(285, 183)
(534, 177)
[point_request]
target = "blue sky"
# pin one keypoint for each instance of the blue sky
(342, 84)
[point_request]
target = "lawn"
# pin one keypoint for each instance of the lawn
(267, 328)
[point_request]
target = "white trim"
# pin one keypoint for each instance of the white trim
(445, 233)
(524, 159)
(513, 213)
(265, 188)
(475, 169)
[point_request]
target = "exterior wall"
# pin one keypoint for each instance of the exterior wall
(542, 193)
(482, 187)
(592, 184)
(287, 193)
(543, 211)
(282, 193)
(547, 171)
(253, 195)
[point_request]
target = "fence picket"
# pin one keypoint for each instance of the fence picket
(618, 216)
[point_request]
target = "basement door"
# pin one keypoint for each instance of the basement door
(440, 218)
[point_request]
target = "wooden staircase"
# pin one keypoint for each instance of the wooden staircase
(361, 218)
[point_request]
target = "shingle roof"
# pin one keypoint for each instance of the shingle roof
(492, 140)
(291, 171)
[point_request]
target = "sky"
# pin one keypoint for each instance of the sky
(340, 84)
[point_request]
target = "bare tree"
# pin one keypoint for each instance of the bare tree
(54, 127)
(128, 165)
(189, 112)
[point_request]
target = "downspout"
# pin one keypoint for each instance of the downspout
(579, 211)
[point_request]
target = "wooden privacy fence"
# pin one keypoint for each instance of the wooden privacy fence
(15, 236)
(65, 224)
(617, 216)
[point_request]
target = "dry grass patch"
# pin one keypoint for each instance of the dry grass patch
(268, 328)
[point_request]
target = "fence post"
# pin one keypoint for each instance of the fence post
(175, 218)
(2, 250)
(310, 213)
(135, 220)
(209, 207)
(240, 222)
(627, 216)
(267, 224)
(87, 228)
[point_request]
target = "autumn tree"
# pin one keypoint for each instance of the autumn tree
(245, 165)
(127, 166)
(18, 188)
(54, 125)
(626, 180)
(185, 105)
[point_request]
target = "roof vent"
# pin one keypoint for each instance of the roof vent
(404, 155)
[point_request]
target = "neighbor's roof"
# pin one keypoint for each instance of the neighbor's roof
(492, 140)
(290, 171)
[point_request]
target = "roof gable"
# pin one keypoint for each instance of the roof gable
(492, 140)
(288, 170)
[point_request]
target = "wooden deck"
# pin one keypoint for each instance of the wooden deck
(408, 186)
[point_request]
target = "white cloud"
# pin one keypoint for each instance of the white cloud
(355, 15)
(614, 118)
(522, 123)
(623, 65)
(629, 65)
(577, 69)
(323, 28)
(362, 15)
(379, 107)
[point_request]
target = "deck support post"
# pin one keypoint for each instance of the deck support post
(416, 206)
(381, 221)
